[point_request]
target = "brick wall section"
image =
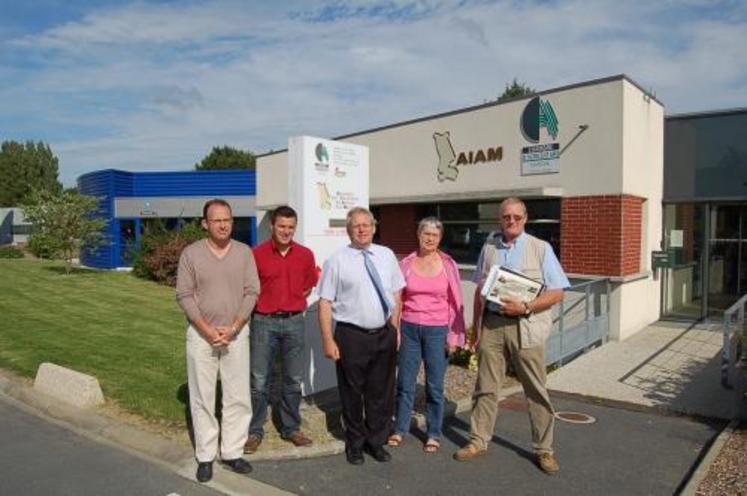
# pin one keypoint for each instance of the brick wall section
(398, 226)
(601, 235)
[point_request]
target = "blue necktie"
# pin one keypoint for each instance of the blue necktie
(374, 275)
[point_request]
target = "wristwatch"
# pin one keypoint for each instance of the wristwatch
(527, 310)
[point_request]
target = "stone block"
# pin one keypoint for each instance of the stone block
(76, 388)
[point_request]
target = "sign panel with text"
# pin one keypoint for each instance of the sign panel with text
(326, 179)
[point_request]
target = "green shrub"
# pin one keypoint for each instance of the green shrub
(158, 257)
(9, 251)
(41, 246)
(464, 357)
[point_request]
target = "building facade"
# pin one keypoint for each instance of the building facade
(705, 213)
(134, 202)
(14, 228)
(586, 158)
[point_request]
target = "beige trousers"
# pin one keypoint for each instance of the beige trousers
(500, 342)
(204, 365)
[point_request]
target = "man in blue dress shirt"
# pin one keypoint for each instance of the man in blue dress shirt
(359, 289)
(514, 334)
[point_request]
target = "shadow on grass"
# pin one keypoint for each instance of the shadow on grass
(75, 271)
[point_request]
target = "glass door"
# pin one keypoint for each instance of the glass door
(684, 231)
(727, 256)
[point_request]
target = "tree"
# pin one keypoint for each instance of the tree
(26, 167)
(515, 89)
(226, 157)
(64, 222)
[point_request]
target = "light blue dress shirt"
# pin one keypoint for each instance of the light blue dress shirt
(511, 256)
(346, 284)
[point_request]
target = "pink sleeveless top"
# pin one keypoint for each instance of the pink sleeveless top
(425, 299)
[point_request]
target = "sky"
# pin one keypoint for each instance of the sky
(154, 85)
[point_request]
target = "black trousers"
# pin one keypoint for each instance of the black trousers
(365, 379)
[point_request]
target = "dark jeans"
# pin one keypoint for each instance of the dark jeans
(365, 379)
(269, 335)
(426, 343)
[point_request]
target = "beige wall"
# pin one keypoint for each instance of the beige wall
(643, 175)
(404, 160)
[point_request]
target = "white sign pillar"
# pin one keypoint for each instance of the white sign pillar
(325, 179)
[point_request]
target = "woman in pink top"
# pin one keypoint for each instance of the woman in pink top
(432, 326)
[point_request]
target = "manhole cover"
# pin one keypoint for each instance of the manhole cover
(575, 417)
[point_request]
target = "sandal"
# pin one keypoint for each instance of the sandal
(394, 440)
(432, 445)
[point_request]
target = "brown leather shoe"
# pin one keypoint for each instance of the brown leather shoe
(299, 439)
(252, 444)
(548, 463)
(468, 452)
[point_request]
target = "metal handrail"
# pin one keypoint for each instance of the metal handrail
(584, 286)
(730, 324)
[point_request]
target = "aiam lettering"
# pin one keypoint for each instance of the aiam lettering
(480, 156)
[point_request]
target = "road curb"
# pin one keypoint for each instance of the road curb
(705, 463)
(168, 454)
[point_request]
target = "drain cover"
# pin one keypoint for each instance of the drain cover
(575, 417)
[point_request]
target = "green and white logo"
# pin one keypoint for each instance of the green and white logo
(321, 153)
(538, 114)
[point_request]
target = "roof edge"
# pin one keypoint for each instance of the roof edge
(591, 82)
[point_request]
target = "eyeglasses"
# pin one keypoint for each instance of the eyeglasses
(516, 218)
(220, 221)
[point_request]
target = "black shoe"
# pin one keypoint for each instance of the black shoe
(354, 456)
(204, 471)
(379, 453)
(238, 465)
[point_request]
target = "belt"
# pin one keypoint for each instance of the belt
(279, 315)
(363, 329)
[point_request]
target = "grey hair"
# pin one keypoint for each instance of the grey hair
(430, 222)
(359, 211)
(513, 201)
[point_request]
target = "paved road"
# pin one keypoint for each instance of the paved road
(623, 453)
(40, 458)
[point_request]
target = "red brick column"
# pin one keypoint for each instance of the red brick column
(601, 235)
(398, 226)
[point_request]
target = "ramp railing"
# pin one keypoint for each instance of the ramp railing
(581, 321)
(734, 332)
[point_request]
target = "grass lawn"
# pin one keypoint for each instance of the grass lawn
(127, 332)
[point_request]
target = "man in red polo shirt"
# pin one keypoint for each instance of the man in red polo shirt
(287, 273)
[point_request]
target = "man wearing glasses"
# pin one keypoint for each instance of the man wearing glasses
(217, 286)
(359, 289)
(513, 334)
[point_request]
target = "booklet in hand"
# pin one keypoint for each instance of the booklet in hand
(503, 283)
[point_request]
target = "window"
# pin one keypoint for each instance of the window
(468, 224)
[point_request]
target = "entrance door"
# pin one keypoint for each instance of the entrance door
(683, 284)
(727, 257)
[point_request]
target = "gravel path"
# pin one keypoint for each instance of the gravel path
(728, 473)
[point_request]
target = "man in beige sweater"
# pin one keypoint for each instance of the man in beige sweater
(217, 286)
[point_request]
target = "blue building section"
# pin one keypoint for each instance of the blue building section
(129, 200)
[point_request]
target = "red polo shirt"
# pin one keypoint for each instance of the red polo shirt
(283, 280)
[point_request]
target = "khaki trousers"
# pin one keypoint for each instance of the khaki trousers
(204, 365)
(499, 343)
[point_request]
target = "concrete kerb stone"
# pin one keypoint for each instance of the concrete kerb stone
(705, 463)
(71, 386)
